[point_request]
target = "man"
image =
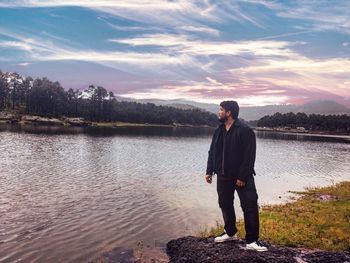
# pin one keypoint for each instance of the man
(232, 158)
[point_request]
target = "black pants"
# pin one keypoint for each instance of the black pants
(249, 203)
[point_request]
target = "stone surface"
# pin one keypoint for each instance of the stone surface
(195, 249)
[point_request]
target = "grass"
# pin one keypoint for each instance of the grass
(307, 222)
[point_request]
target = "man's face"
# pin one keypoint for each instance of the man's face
(223, 114)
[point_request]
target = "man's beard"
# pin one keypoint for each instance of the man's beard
(222, 120)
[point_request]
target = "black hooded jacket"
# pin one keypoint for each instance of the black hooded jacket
(232, 152)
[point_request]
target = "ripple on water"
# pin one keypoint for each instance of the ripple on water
(69, 197)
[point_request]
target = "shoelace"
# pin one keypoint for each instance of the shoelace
(259, 243)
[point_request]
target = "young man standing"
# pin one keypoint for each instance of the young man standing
(232, 158)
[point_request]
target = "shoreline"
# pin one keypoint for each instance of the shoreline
(204, 250)
(34, 120)
(285, 222)
(316, 218)
(300, 132)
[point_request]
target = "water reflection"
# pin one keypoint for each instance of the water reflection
(155, 131)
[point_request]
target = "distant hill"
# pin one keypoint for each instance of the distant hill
(324, 107)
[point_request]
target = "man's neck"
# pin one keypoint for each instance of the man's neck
(229, 123)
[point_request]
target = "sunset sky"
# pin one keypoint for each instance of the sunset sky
(254, 51)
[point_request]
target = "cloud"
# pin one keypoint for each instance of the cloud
(287, 34)
(183, 14)
(200, 29)
(322, 15)
(121, 28)
(301, 73)
(157, 64)
(209, 91)
(181, 66)
(182, 44)
(16, 45)
(139, 59)
(153, 40)
(174, 50)
(24, 64)
(183, 49)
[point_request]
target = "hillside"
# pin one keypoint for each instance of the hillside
(324, 107)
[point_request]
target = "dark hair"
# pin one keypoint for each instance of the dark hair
(232, 106)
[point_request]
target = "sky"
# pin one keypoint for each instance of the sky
(257, 52)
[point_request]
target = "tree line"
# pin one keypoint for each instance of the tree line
(43, 97)
(310, 122)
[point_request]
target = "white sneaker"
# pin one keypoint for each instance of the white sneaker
(257, 246)
(224, 238)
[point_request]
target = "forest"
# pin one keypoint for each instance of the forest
(44, 97)
(309, 122)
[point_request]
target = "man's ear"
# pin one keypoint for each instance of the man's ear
(229, 113)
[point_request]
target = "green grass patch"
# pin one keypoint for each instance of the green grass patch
(308, 221)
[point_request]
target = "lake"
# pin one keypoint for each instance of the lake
(68, 195)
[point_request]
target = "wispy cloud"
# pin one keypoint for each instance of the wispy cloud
(322, 15)
(287, 34)
(184, 14)
(212, 91)
(122, 28)
(153, 40)
(200, 29)
(271, 70)
(182, 44)
(140, 59)
(201, 50)
(40, 49)
(24, 64)
(301, 73)
(16, 45)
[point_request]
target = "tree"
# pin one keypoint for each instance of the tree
(46, 98)
(3, 92)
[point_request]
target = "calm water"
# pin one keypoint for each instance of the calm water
(67, 196)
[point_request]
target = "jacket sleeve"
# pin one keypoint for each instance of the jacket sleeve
(210, 168)
(249, 152)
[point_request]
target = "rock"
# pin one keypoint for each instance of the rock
(75, 121)
(49, 121)
(196, 249)
(9, 117)
(326, 197)
(128, 255)
(41, 120)
(30, 118)
(118, 254)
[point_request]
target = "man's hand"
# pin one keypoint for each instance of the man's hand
(209, 178)
(240, 183)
